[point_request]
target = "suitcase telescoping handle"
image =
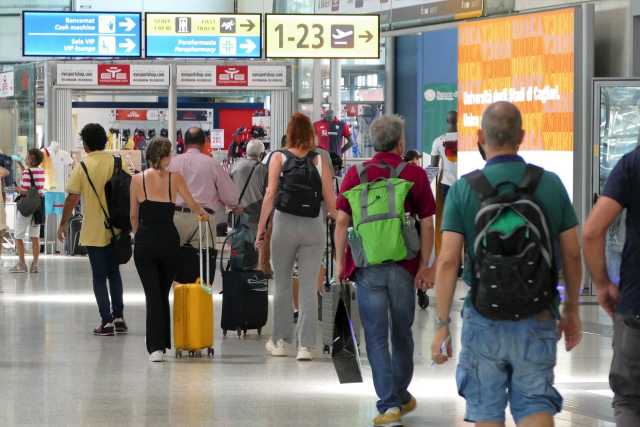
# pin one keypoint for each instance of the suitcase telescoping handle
(205, 282)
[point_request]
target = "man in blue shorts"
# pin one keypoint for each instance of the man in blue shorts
(510, 327)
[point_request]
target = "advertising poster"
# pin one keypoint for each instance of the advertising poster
(437, 101)
(527, 60)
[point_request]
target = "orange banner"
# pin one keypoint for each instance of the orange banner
(528, 60)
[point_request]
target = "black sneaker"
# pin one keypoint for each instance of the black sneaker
(105, 330)
(120, 325)
(423, 299)
(296, 314)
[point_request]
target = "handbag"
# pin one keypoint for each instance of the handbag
(31, 202)
(121, 243)
(344, 350)
(189, 260)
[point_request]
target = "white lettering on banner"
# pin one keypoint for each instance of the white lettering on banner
(268, 76)
(77, 74)
(149, 75)
(6, 84)
(522, 94)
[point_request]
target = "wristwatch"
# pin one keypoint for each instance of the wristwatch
(442, 323)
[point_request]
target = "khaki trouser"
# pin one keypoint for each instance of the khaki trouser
(187, 225)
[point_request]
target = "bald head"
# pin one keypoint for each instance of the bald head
(502, 125)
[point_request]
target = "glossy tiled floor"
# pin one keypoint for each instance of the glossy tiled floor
(53, 372)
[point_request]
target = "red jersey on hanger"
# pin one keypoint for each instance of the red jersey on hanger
(331, 134)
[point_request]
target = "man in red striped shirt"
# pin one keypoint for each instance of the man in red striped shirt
(32, 176)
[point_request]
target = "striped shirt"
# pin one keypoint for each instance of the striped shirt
(38, 177)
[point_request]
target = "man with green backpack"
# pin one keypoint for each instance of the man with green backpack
(378, 206)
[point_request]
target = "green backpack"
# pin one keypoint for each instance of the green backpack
(381, 231)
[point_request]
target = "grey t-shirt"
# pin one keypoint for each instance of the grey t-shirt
(252, 197)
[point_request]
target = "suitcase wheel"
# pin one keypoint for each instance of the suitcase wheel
(210, 352)
(224, 333)
(326, 349)
(259, 332)
(239, 332)
(244, 333)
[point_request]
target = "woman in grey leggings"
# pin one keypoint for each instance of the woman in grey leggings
(297, 235)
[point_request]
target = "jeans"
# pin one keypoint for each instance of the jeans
(103, 267)
(387, 299)
(507, 362)
(624, 377)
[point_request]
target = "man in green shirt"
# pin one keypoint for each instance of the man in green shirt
(504, 361)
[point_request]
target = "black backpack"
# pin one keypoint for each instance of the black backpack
(300, 188)
(514, 273)
(117, 192)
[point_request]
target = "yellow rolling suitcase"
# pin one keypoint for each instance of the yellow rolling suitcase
(193, 312)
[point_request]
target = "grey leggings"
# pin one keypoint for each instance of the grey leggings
(303, 239)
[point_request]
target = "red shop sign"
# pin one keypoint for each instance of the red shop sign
(132, 115)
(114, 74)
(234, 75)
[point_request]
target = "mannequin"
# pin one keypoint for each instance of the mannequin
(331, 132)
(61, 161)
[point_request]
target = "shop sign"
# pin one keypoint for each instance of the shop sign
(150, 75)
(209, 76)
(6, 84)
(203, 35)
(131, 115)
(77, 74)
(322, 36)
(81, 34)
(193, 115)
(232, 75)
(74, 74)
(196, 75)
(114, 75)
(268, 76)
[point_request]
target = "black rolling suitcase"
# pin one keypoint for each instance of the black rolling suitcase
(245, 299)
(72, 244)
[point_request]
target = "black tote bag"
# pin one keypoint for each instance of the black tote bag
(344, 350)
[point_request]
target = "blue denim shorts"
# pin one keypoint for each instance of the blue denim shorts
(505, 362)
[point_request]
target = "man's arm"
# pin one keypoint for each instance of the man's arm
(602, 216)
(340, 239)
(227, 190)
(70, 203)
(572, 268)
(446, 279)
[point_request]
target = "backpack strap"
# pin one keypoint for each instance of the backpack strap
(117, 164)
(395, 172)
(531, 179)
(480, 184)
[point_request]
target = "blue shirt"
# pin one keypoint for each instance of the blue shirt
(622, 186)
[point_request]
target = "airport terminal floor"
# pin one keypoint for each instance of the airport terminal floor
(53, 371)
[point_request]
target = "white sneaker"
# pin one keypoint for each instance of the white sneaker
(304, 354)
(156, 356)
(276, 350)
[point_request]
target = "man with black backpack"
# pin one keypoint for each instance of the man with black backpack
(509, 217)
(99, 233)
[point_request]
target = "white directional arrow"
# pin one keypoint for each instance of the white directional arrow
(127, 44)
(128, 24)
(248, 46)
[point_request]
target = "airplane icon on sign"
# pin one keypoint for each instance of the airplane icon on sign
(342, 36)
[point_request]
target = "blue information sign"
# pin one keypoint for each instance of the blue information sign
(81, 34)
(199, 35)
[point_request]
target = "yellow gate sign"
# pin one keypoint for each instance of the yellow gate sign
(322, 36)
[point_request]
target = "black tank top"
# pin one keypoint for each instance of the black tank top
(156, 213)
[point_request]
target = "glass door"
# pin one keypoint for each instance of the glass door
(617, 117)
